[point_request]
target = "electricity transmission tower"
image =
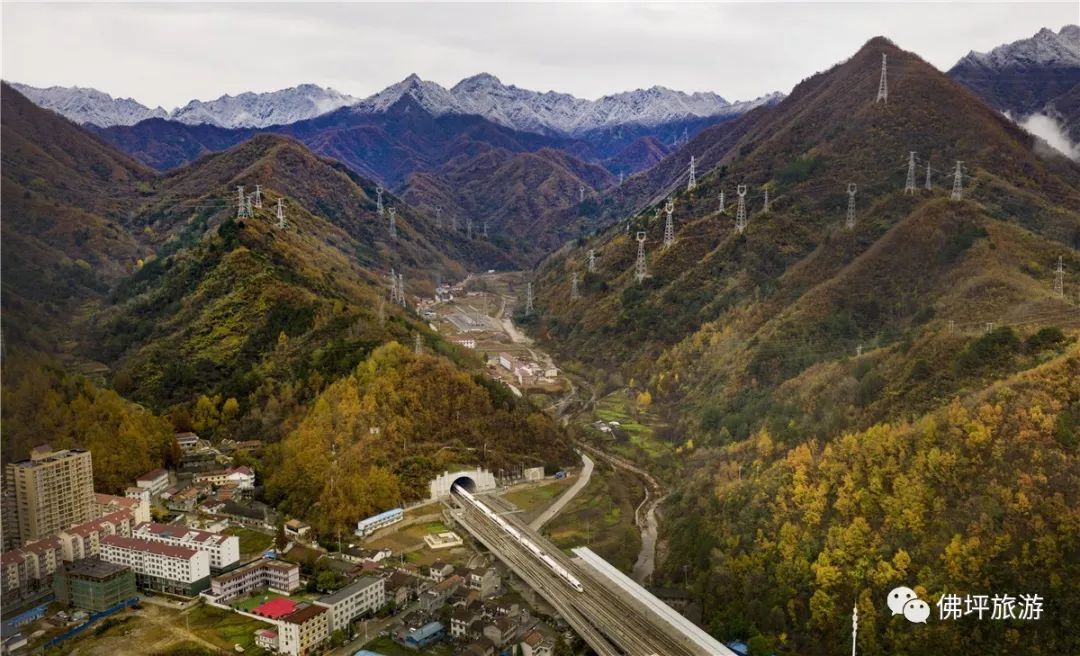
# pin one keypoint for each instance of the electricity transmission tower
(393, 223)
(669, 226)
(250, 212)
(401, 288)
(722, 209)
(621, 176)
(485, 230)
(765, 209)
(438, 217)
(528, 299)
(929, 187)
(378, 200)
(639, 266)
(581, 194)
(280, 215)
(740, 213)
(393, 287)
(416, 347)
(850, 222)
(592, 260)
(468, 228)
(1059, 278)
(241, 207)
(909, 186)
(258, 197)
(693, 176)
(958, 182)
(883, 86)
(573, 288)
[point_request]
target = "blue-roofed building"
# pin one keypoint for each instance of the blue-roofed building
(365, 652)
(366, 527)
(426, 635)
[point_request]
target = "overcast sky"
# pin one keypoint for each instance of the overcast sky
(167, 54)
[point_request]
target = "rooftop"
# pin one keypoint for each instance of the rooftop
(304, 614)
(275, 608)
(93, 568)
(349, 590)
(152, 475)
(146, 546)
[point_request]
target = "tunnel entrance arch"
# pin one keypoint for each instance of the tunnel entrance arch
(476, 481)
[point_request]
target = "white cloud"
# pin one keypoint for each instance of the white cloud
(1050, 130)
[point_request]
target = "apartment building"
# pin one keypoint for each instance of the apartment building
(366, 594)
(263, 574)
(94, 585)
(52, 490)
(303, 630)
(157, 481)
(84, 540)
(224, 550)
(30, 567)
(139, 506)
(242, 477)
(158, 566)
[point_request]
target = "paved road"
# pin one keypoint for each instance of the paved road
(567, 497)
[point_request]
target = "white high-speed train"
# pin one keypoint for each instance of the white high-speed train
(570, 579)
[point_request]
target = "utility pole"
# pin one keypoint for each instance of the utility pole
(958, 182)
(241, 207)
(574, 295)
(669, 226)
(258, 197)
(929, 187)
(378, 200)
(1059, 278)
(528, 299)
(722, 208)
(909, 186)
(393, 223)
(850, 222)
(740, 214)
(693, 176)
(883, 86)
(639, 267)
(858, 350)
(280, 215)
(592, 260)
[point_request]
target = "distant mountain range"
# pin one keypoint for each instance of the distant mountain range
(484, 95)
(1038, 75)
(246, 110)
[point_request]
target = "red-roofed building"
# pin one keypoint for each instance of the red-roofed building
(275, 608)
(139, 508)
(30, 568)
(157, 481)
(84, 540)
(159, 566)
(224, 550)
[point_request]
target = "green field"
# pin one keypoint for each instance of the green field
(252, 543)
(636, 422)
(536, 497)
(602, 517)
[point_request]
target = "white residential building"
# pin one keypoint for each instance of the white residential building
(137, 504)
(301, 631)
(158, 566)
(223, 550)
(84, 540)
(156, 481)
(242, 477)
(363, 595)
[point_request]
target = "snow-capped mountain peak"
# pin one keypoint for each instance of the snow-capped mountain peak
(259, 110)
(84, 105)
(1045, 49)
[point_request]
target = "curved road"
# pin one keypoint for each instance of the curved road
(567, 497)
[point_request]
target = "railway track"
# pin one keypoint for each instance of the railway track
(605, 619)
